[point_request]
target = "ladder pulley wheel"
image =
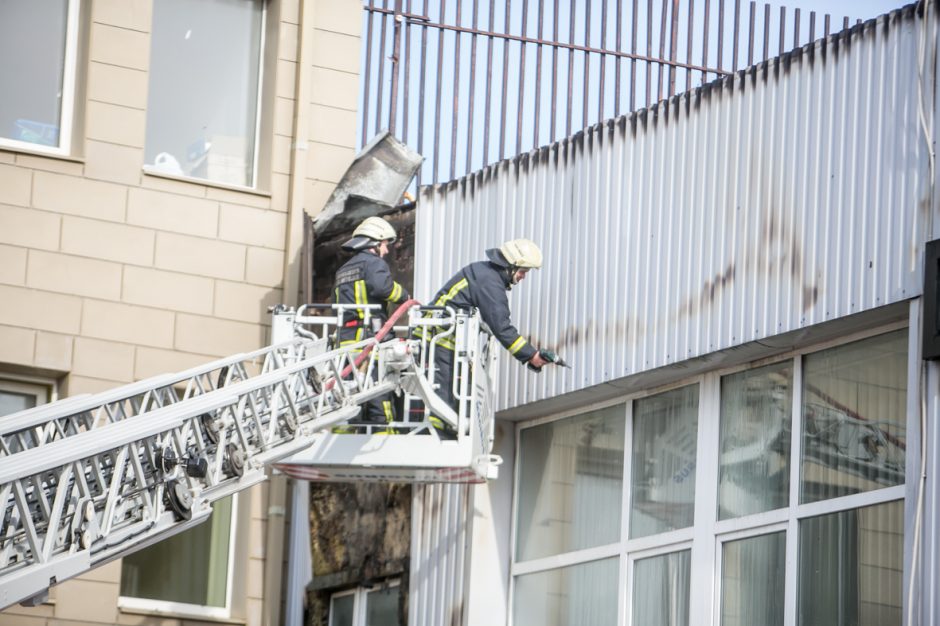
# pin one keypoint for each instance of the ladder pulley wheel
(179, 500)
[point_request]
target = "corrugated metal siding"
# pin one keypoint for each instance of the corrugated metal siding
(791, 194)
(440, 531)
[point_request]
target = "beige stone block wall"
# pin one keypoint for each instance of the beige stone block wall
(110, 275)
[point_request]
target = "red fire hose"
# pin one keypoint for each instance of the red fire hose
(401, 310)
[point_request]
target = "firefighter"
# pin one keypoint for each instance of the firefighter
(366, 279)
(483, 285)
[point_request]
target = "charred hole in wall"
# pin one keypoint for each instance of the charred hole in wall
(360, 533)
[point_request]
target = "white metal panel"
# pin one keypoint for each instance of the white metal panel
(440, 525)
(790, 194)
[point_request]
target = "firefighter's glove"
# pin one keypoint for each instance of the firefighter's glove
(537, 362)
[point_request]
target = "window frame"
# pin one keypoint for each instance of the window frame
(69, 79)
(43, 389)
(256, 154)
(360, 600)
(149, 606)
(705, 538)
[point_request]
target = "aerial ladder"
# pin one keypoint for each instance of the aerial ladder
(92, 478)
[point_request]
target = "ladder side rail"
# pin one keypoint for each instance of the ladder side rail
(83, 402)
(134, 472)
(33, 463)
(25, 430)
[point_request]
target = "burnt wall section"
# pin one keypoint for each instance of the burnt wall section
(328, 254)
(360, 535)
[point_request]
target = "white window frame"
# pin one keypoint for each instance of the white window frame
(360, 600)
(152, 170)
(42, 389)
(708, 534)
(184, 609)
(67, 114)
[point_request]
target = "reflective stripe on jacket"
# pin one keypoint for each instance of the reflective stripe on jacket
(483, 285)
(365, 279)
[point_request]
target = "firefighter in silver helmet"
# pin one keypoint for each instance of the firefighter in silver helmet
(366, 279)
(483, 285)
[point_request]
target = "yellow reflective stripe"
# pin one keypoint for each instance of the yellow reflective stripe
(359, 289)
(387, 407)
(436, 422)
(452, 293)
(516, 345)
(396, 293)
(446, 342)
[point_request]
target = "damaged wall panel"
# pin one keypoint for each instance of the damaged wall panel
(789, 194)
(360, 534)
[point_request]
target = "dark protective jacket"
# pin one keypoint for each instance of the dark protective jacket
(483, 285)
(365, 279)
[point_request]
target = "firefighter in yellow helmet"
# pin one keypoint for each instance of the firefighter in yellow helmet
(483, 285)
(366, 279)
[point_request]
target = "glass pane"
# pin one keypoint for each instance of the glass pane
(32, 57)
(382, 607)
(851, 567)
(570, 484)
(754, 462)
(753, 573)
(203, 97)
(665, 428)
(11, 402)
(854, 412)
(580, 595)
(341, 610)
(661, 589)
(191, 567)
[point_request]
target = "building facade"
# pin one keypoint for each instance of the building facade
(156, 161)
(748, 432)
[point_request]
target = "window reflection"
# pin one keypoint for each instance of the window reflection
(753, 573)
(581, 595)
(665, 430)
(754, 447)
(570, 484)
(854, 413)
(851, 567)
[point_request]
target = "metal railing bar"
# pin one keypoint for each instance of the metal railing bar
(563, 45)
(473, 72)
(502, 113)
(538, 77)
(437, 94)
(381, 82)
(489, 86)
(587, 64)
(520, 105)
(456, 116)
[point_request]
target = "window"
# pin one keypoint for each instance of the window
(854, 412)
(189, 573)
(664, 443)
(780, 488)
(851, 566)
(754, 445)
(205, 81)
(661, 589)
(38, 43)
(367, 606)
(752, 580)
(580, 595)
(570, 484)
(20, 394)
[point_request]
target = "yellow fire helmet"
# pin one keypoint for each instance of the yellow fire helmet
(522, 253)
